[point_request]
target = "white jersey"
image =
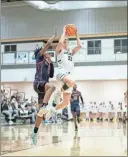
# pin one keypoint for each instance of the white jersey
(65, 60)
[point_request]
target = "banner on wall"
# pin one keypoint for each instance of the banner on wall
(22, 57)
(53, 55)
(31, 57)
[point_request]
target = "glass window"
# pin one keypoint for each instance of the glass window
(90, 43)
(117, 42)
(9, 48)
(97, 50)
(98, 43)
(6, 48)
(117, 50)
(91, 51)
(13, 48)
(94, 47)
(124, 49)
(120, 46)
(124, 42)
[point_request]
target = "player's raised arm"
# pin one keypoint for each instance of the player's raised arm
(79, 45)
(48, 44)
(61, 41)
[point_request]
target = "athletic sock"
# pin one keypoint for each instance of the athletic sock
(36, 130)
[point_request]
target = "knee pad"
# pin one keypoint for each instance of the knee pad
(42, 112)
(65, 87)
(69, 90)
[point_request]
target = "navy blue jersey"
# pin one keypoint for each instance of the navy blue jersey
(43, 69)
(75, 97)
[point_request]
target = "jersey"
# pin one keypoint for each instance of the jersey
(42, 69)
(65, 60)
(75, 97)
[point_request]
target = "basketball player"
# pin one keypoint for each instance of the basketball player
(65, 67)
(44, 71)
(125, 106)
(75, 107)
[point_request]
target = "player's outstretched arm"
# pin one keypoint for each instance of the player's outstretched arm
(61, 41)
(79, 45)
(48, 44)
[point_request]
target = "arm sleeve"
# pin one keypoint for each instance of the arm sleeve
(51, 70)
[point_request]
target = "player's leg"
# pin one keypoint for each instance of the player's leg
(74, 115)
(68, 82)
(78, 113)
(65, 102)
(43, 99)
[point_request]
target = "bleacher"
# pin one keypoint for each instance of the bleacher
(21, 118)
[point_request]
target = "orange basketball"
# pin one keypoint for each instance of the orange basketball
(71, 30)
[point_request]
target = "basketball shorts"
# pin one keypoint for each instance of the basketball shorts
(75, 108)
(40, 90)
(61, 73)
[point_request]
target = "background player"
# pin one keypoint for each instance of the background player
(65, 68)
(44, 71)
(125, 109)
(75, 105)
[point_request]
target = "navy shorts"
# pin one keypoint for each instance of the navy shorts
(40, 90)
(75, 108)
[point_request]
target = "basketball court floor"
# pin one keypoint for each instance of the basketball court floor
(92, 139)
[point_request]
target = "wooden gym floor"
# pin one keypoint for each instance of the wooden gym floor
(92, 139)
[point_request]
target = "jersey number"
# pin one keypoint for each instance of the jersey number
(69, 58)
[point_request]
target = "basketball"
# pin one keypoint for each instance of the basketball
(71, 30)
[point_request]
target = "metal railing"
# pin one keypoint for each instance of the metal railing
(100, 55)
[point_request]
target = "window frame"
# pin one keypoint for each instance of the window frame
(10, 48)
(94, 48)
(121, 47)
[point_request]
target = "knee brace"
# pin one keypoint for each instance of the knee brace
(65, 87)
(42, 111)
(69, 90)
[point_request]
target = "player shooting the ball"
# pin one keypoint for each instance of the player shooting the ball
(65, 68)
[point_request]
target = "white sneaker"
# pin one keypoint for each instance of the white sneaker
(57, 98)
(10, 122)
(34, 138)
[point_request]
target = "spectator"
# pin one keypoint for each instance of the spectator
(31, 112)
(5, 110)
(14, 108)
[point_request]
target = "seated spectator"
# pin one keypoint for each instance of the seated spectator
(31, 112)
(5, 111)
(14, 108)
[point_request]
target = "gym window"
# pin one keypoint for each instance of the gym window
(94, 47)
(120, 46)
(10, 48)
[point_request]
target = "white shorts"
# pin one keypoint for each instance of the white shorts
(61, 73)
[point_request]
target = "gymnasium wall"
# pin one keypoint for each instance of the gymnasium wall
(107, 51)
(98, 91)
(26, 21)
(109, 72)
